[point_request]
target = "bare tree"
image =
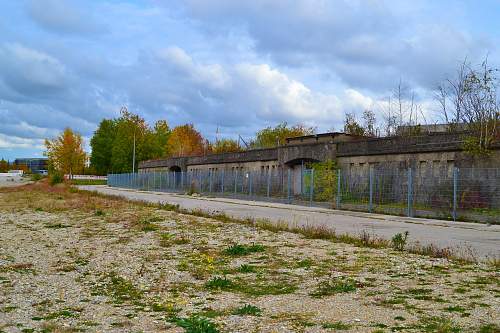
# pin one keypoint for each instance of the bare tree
(476, 107)
(369, 123)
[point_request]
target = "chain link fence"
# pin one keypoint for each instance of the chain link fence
(452, 194)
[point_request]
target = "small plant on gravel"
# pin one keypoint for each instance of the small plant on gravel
(339, 326)
(219, 283)
(118, 288)
(245, 268)
(489, 328)
(248, 310)
(437, 324)
(335, 286)
(196, 324)
(55, 178)
(399, 241)
(243, 250)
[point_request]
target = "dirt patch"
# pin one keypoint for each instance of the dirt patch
(73, 261)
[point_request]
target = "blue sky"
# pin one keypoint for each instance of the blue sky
(233, 65)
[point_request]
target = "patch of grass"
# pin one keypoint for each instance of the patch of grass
(219, 283)
(335, 286)
(438, 325)
(22, 268)
(455, 308)
(340, 326)
(243, 250)
(89, 182)
(58, 225)
(118, 288)
(245, 268)
(305, 263)
(7, 309)
(64, 313)
(489, 328)
(99, 212)
(248, 310)
(196, 324)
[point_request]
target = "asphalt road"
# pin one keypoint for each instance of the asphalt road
(481, 240)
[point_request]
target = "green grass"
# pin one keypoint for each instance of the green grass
(88, 182)
(245, 268)
(339, 326)
(243, 250)
(196, 324)
(219, 283)
(334, 286)
(119, 289)
(248, 310)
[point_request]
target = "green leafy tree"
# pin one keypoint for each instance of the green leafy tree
(162, 134)
(4, 165)
(352, 126)
(274, 136)
(225, 146)
(325, 180)
(102, 146)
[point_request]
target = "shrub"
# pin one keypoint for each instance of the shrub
(399, 241)
(36, 177)
(56, 178)
(335, 286)
(196, 324)
(248, 310)
(242, 250)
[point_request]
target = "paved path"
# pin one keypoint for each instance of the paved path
(483, 240)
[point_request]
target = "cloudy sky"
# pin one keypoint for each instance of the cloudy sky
(237, 65)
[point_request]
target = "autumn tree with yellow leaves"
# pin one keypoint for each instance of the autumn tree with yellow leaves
(65, 153)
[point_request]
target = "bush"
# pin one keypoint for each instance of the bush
(399, 241)
(56, 178)
(36, 177)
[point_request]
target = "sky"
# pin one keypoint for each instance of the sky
(226, 66)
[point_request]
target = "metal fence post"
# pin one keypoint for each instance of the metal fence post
(371, 190)
(209, 181)
(289, 185)
(302, 178)
(250, 183)
(268, 183)
(339, 193)
(410, 192)
(311, 188)
(455, 188)
(199, 181)
(222, 181)
(235, 181)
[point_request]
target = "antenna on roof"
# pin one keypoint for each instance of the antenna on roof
(240, 138)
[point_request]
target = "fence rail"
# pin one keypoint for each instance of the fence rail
(453, 194)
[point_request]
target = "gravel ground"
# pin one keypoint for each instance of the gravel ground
(74, 261)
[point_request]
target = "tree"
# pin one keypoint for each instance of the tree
(473, 93)
(102, 145)
(162, 133)
(185, 140)
(369, 123)
(225, 146)
(351, 125)
(4, 165)
(272, 137)
(65, 153)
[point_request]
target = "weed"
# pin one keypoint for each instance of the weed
(243, 250)
(99, 212)
(65, 313)
(399, 241)
(245, 268)
(196, 324)
(336, 326)
(56, 225)
(489, 328)
(438, 325)
(305, 263)
(248, 310)
(219, 283)
(335, 286)
(119, 288)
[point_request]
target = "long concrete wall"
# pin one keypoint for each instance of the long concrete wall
(427, 151)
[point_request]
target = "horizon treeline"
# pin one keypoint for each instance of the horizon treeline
(113, 142)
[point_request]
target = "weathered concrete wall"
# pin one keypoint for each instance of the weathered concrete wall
(437, 150)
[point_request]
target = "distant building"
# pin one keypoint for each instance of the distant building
(35, 165)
